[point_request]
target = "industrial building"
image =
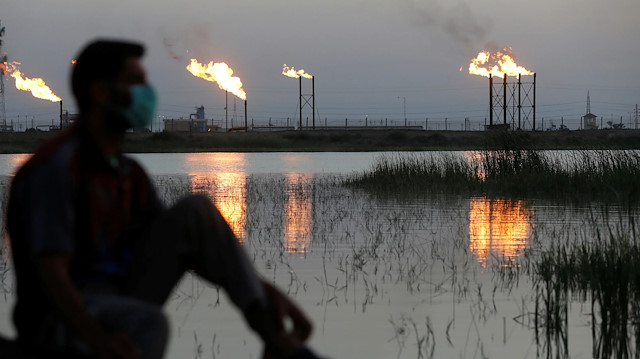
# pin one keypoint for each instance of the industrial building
(195, 123)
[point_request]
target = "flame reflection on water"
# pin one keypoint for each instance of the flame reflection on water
(228, 191)
(298, 213)
(498, 228)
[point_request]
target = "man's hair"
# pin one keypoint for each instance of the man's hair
(101, 60)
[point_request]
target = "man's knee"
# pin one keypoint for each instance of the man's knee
(194, 205)
(199, 210)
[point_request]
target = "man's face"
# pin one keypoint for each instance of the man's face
(112, 97)
(132, 74)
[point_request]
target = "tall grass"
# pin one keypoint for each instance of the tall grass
(415, 172)
(578, 174)
(603, 271)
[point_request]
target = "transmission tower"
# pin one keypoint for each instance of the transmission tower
(3, 72)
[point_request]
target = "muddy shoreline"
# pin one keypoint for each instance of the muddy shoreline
(348, 140)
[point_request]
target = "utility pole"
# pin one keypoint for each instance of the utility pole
(519, 101)
(533, 105)
(504, 101)
(490, 100)
(226, 110)
(3, 72)
(313, 103)
(404, 107)
(233, 118)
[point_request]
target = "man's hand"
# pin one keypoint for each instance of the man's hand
(271, 323)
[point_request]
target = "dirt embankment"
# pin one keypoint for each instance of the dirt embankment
(349, 140)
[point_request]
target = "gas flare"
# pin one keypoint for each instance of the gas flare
(291, 72)
(36, 86)
(497, 64)
(220, 73)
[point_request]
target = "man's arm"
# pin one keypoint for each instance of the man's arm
(54, 271)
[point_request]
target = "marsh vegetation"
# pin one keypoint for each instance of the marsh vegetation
(568, 175)
(437, 255)
(597, 265)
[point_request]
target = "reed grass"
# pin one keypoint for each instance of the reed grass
(413, 172)
(578, 174)
(603, 270)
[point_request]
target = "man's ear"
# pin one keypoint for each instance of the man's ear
(99, 93)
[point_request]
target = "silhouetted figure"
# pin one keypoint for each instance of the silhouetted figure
(97, 254)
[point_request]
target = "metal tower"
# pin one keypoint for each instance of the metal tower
(513, 102)
(3, 72)
(305, 98)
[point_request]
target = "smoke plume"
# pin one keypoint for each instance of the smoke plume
(193, 41)
(458, 22)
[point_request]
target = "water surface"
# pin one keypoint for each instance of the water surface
(435, 275)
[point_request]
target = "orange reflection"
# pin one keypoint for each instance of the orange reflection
(17, 160)
(227, 190)
(498, 228)
(297, 214)
(475, 159)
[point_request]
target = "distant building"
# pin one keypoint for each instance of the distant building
(66, 119)
(199, 113)
(589, 120)
(4, 127)
(186, 125)
(195, 123)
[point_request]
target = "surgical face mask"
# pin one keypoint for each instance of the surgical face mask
(142, 108)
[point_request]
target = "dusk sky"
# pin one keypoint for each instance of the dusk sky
(369, 57)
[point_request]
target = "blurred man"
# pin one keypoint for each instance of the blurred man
(97, 254)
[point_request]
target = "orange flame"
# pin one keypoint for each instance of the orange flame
(36, 86)
(497, 64)
(291, 72)
(73, 62)
(220, 73)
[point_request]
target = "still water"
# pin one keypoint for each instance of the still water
(422, 276)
